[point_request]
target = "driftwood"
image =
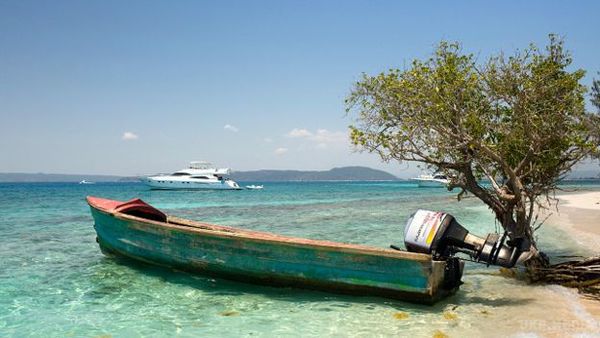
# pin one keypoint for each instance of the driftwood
(581, 274)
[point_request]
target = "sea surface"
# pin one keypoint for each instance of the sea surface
(55, 282)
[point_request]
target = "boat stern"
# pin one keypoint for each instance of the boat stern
(445, 277)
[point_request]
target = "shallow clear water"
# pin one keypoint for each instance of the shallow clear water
(54, 281)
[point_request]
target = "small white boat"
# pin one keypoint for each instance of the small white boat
(254, 187)
(432, 181)
(86, 182)
(198, 175)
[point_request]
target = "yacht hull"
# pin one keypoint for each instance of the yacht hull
(423, 183)
(187, 185)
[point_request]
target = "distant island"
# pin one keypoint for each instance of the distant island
(335, 174)
(42, 177)
(352, 173)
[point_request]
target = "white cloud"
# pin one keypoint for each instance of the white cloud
(128, 136)
(322, 137)
(328, 137)
(268, 139)
(280, 151)
(231, 128)
(296, 132)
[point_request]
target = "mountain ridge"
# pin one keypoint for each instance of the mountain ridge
(351, 173)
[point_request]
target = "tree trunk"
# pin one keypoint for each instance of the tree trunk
(536, 263)
(583, 275)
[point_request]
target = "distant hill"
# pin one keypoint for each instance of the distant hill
(584, 174)
(41, 177)
(335, 174)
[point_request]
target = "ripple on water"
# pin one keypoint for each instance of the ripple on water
(52, 271)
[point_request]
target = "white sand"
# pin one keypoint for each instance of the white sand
(579, 215)
(584, 200)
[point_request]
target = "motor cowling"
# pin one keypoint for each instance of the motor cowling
(439, 234)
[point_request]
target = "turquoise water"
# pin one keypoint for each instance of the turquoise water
(54, 281)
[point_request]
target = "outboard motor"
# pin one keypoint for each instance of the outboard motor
(440, 235)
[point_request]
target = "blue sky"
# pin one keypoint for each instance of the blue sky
(132, 87)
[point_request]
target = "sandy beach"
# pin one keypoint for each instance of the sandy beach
(541, 310)
(579, 215)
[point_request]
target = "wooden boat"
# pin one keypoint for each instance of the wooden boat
(137, 230)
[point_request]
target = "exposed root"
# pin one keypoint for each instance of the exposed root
(581, 274)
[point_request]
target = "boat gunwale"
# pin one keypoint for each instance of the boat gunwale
(196, 227)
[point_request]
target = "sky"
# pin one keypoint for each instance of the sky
(138, 87)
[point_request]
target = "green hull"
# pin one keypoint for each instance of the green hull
(276, 260)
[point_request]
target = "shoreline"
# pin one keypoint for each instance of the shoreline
(578, 215)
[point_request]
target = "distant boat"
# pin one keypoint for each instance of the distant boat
(136, 230)
(254, 187)
(86, 182)
(432, 181)
(198, 175)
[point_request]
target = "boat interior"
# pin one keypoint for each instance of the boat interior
(141, 209)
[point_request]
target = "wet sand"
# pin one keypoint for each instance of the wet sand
(492, 304)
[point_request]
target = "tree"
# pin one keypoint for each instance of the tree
(519, 122)
(596, 93)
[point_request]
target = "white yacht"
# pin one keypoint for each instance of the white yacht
(432, 181)
(198, 175)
